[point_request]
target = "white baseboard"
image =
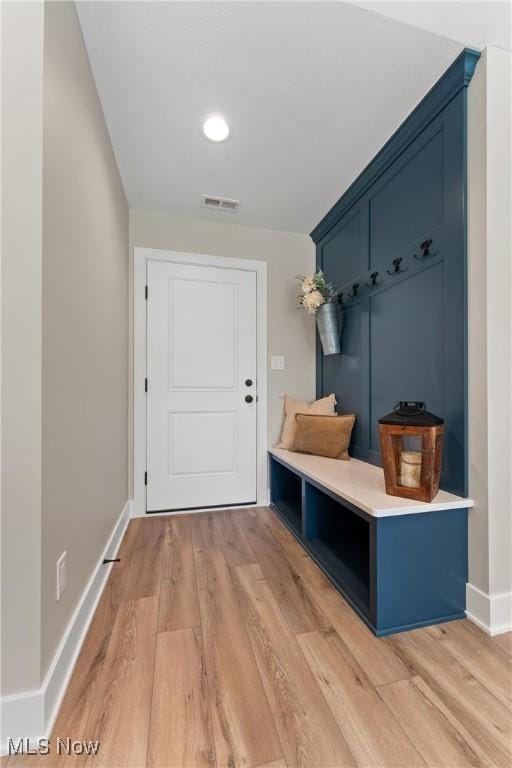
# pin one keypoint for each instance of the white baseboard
(32, 714)
(493, 613)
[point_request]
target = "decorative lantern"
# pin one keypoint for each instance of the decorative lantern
(411, 441)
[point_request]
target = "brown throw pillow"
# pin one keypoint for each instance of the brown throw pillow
(323, 435)
(292, 407)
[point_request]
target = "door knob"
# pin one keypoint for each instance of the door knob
(249, 398)
(248, 382)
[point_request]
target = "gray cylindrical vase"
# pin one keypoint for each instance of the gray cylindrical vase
(329, 321)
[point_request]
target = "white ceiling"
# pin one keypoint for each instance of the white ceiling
(472, 22)
(311, 90)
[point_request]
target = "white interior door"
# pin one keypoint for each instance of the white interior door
(201, 398)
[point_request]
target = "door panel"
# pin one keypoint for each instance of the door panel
(202, 443)
(216, 339)
(201, 348)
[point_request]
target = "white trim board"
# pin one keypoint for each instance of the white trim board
(492, 613)
(140, 258)
(32, 714)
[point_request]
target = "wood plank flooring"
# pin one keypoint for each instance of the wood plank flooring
(219, 642)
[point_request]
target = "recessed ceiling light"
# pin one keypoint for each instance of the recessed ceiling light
(215, 128)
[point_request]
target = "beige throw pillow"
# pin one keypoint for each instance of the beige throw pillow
(324, 406)
(324, 435)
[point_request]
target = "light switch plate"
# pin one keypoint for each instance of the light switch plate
(277, 362)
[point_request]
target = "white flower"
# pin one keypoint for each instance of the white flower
(309, 284)
(312, 301)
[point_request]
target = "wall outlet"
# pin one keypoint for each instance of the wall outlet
(277, 362)
(61, 574)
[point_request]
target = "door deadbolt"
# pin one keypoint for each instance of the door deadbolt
(248, 382)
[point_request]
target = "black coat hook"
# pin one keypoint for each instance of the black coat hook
(396, 266)
(373, 280)
(425, 248)
(353, 292)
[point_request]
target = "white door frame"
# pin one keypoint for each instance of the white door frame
(140, 258)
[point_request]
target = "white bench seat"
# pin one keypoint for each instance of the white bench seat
(362, 485)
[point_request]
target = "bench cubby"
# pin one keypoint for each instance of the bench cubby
(286, 493)
(401, 564)
(340, 538)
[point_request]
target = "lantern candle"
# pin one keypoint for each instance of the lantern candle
(410, 469)
(411, 442)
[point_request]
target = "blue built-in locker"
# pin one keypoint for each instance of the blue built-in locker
(398, 572)
(395, 244)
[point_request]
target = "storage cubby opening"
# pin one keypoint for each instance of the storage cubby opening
(341, 539)
(287, 494)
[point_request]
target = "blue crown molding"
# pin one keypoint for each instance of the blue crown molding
(456, 77)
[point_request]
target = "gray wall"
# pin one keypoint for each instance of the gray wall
(490, 341)
(22, 147)
(290, 332)
(477, 215)
(85, 322)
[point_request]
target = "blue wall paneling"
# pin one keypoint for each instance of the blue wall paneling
(405, 338)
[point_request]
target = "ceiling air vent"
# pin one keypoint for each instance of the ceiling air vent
(219, 203)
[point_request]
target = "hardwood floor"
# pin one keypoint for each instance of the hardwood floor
(218, 642)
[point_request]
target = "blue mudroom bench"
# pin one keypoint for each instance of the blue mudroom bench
(401, 564)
